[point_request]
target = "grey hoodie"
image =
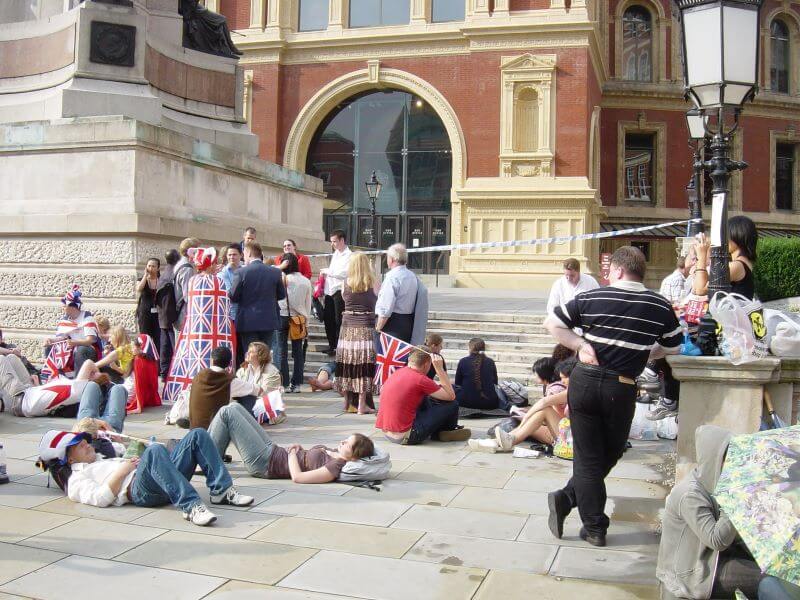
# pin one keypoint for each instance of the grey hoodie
(694, 532)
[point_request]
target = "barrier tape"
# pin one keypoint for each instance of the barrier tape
(534, 242)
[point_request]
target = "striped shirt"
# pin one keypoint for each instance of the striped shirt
(622, 322)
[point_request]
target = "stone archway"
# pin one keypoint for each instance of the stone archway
(373, 77)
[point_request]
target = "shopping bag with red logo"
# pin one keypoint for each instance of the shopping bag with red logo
(269, 409)
(696, 307)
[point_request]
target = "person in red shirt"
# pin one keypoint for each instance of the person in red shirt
(414, 408)
(303, 264)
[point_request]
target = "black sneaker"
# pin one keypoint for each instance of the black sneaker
(182, 423)
(595, 539)
(559, 506)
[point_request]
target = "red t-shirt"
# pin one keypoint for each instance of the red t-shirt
(303, 264)
(401, 395)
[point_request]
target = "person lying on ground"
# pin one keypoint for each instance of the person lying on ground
(156, 478)
(263, 458)
(324, 379)
(541, 420)
(414, 408)
(62, 397)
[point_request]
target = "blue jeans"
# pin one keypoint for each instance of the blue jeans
(772, 588)
(163, 477)
(432, 417)
(234, 423)
(280, 356)
(113, 412)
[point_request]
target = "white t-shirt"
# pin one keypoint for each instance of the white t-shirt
(563, 291)
(41, 400)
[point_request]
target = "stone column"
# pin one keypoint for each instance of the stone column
(337, 14)
(258, 13)
(715, 392)
(277, 15)
(500, 8)
(477, 8)
(420, 12)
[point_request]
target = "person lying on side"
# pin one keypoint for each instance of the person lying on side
(263, 458)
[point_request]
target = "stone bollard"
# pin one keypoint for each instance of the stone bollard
(716, 392)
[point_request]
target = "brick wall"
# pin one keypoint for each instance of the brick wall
(237, 12)
(515, 5)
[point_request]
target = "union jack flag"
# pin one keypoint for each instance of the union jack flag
(59, 360)
(208, 325)
(392, 354)
(148, 347)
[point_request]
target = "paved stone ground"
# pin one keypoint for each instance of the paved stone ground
(449, 524)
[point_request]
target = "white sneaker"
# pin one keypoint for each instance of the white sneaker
(663, 409)
(504, 439)
(485, 445)
(200, 515)
(232, 497)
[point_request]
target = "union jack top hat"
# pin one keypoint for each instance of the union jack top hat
(73, 297)
(55, 443)
(203, 258)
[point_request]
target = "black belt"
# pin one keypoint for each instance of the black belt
(607, 373)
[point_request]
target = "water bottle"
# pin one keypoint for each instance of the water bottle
(688, 347)
(3, 471)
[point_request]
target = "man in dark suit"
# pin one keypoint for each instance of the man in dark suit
(257, 288)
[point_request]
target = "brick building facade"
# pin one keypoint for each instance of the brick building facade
(562, 118)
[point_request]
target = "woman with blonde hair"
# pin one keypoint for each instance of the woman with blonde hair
(355, 353)
(259, 370)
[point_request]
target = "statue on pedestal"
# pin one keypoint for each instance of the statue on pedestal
(206, 31)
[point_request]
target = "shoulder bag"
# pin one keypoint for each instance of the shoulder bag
(298, 329)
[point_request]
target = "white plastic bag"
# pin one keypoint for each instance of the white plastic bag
(179, 410)
(784, 334)
(642, 428)
(667, 428)
(744, 331)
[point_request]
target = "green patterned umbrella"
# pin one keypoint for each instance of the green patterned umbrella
(759, 489)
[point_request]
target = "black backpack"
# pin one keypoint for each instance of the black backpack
(168, 306)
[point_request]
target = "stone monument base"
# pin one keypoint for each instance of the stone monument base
(89, 200)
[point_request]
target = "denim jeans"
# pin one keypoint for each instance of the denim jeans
(165, 350)
(233, 423)
(772, 588)
(163, 477)
(112, 411)
(81, 354)
(280, 355)
(431, 418)
(601, 409)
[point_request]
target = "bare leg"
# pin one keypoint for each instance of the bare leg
(363, 409)
(88, 371)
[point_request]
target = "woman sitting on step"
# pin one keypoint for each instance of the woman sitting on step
(476, 378)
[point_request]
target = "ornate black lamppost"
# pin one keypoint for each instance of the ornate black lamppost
(373, 191)
(720, 70)
(695, 123)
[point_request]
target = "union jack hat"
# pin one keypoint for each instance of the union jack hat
(55, 443)
(73, 297)
(204, 258)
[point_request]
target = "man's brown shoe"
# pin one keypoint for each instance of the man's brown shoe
(454, 435)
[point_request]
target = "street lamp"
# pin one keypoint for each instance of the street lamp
(696, 124)
(720, 68)
(373, 191)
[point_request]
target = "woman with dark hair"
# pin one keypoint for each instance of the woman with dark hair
(297, 304)
(742, 240)
(146, 305)
(476, 376)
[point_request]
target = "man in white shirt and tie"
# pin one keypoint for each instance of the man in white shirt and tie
(570, 285)
(335, 275)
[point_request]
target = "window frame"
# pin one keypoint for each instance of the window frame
(298, 8)
(659, 132)
(457, 2)
(636, 57)
(381, 24)
(789, 138)
(660, 27)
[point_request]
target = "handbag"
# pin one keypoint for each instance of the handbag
(563, 446)
(298, 329)
(784, 334)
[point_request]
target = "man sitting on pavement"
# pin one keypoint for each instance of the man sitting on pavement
(414, 408)
(156, 478)
(213, 388)
(570, 285)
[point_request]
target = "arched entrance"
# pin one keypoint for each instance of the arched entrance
(400, 137)
(321, 110)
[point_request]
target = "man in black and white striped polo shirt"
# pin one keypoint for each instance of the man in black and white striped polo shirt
(624, 325)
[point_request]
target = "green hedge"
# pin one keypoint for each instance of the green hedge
(777, 270)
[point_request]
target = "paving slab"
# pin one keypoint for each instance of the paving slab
(19, 560)
(514, 585)
(19, 447)
(628, 536)
(259, 562)
(17, 524)
(120, 514)
(384, 578)
(630, 488)
(18, 468)
(456, 475)
(543, 480)
(243, 590)
(89, 537)
(329, 489)
(461, 521)
(602, 564)
(502, 501)
(411, 492)
(342, 537)
(362, 511)
(27, 496)
(124, 581)
(464, 551)
(230, 523)
(429, 453)
(259, 493)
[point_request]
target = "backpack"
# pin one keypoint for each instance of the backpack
(515, 392)
(371, 468)
(167, 305)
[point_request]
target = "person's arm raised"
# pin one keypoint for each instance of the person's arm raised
(445, 392)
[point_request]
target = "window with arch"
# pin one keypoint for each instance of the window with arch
(780, 58)
(637, 44)
(526, 114)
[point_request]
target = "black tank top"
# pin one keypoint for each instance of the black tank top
(746, 286)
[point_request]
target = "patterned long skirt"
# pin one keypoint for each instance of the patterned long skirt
(355, 360)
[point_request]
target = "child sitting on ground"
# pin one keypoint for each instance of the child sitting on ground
(541, 420)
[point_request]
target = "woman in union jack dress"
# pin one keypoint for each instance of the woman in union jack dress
(208, 324)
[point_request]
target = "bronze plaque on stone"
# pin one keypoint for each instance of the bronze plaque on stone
(113, 44)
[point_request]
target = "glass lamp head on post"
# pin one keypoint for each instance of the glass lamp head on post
(720, 42)
(373, 191)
